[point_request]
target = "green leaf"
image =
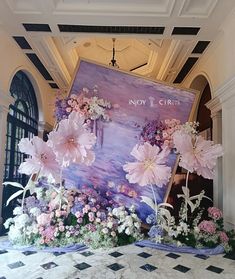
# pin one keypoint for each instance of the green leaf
(16, 194)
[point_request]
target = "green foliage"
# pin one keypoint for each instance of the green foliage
(71, 220)
(124, 239)
(188, 240)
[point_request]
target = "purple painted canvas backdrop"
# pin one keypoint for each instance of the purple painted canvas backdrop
(135, 100)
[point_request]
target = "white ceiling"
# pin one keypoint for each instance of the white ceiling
(162, 55)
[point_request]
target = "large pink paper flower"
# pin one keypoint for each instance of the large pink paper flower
(72, 142)
(42, 158)
(150, 168)
(196, 153)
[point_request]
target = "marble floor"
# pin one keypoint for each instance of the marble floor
(127, 262)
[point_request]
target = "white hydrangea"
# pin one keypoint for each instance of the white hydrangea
(18, 211)
(35, 211)
(8, 222)
(21, 220)
(15, 234)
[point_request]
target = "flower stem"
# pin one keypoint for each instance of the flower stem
(154, 197)
(186, 204)
(60, 190)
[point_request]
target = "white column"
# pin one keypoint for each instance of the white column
(5, 101)
(216, 114)
(226, 94)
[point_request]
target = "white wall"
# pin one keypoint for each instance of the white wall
(12, 60)
(218, 65)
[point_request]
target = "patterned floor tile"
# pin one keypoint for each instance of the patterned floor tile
(28, 253)
(181, 268)
(16, 265)
(87, 253)
(82, 266)
(172, 255)
(144, 255)
(115, 266)
(148, 267)
(49, 265)
(214, 269)
(58, 253)
(115, 254)
(203, 257)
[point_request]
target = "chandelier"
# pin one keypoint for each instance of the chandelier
(113, 61)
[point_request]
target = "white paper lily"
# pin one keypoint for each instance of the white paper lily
(29, 187)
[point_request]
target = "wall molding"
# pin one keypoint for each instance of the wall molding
(5, 100)
(214, 105)
(226, 92)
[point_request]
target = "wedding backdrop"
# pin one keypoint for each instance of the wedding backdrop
(135, 103)
(107, 168)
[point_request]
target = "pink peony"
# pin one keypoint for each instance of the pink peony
(42, 158)
(44, 219)
(150, 167)
(215, 213)
(207, 227)
(72, 142)
(197, 154)
(223, 237)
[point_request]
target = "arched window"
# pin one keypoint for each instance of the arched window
(22, 122)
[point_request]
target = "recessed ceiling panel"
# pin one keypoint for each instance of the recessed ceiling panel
(111, 29)
(198, 8)
(160, 7)
(24, 6)
(22, 42)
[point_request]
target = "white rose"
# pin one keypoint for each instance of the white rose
(121, 228)
(129, 221)
(113, 233)
(127, 231)
(137, 225)
(105, 230)
(110, 225)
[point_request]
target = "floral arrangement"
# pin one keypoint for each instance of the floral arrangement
(56, 216)
(84, 217)
(160, 133)
(196, 233)
(91, 108)
(196, 155)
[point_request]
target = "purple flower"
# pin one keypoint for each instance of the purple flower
(155, 231)
(151, 219)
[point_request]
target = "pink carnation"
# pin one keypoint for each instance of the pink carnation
(207, 227)
(223, 237)
(215, 213)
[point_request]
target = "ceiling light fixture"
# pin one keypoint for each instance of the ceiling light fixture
(113, 61)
